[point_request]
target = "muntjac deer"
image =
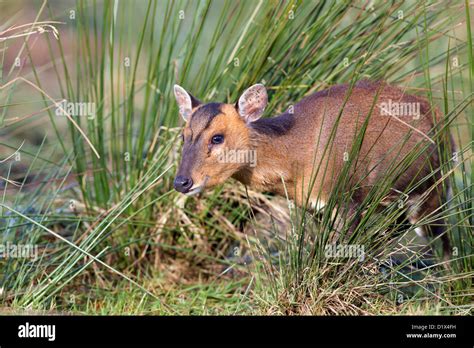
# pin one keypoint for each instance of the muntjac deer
(223, 141)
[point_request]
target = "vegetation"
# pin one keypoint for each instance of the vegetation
(95, 193)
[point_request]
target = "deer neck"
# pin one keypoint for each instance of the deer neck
(272, 166)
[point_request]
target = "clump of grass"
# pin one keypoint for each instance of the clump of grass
(170, 253)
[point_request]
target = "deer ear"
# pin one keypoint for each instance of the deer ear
(186, 102)
(252, 103)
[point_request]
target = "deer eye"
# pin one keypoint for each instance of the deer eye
(217, 139)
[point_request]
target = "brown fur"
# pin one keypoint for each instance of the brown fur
(290, 147)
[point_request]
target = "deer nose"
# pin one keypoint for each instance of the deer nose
(182, 183)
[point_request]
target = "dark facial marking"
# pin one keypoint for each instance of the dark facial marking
(202, 118)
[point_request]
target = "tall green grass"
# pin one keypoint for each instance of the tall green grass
(171, 252)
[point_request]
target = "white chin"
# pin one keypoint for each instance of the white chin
(194, 191)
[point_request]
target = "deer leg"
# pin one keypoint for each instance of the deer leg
(430, 209)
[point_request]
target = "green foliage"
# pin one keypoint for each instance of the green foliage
(120, 209)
